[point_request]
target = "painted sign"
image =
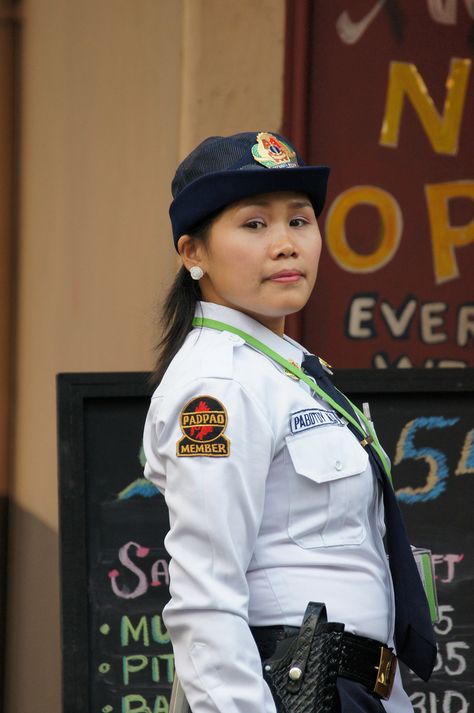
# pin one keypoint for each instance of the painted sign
(391, 110)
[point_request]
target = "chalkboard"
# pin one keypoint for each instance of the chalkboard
(117, 657)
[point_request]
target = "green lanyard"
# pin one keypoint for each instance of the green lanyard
(300, 374)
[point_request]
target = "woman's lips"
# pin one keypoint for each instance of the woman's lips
(286, 276)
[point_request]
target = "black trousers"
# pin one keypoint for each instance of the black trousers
(353, 697)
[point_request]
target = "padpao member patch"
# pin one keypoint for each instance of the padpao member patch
(203, 421)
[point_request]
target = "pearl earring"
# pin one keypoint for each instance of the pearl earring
(196, 272)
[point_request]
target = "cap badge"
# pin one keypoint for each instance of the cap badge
(272, 152)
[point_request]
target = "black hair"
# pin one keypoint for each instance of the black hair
(178, 309)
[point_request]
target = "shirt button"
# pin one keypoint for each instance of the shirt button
(338, 465)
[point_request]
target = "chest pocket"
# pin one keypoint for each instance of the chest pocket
(330, 488)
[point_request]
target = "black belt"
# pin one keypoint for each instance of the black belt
(364, 660)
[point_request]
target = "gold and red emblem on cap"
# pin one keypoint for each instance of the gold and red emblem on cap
(272, 152)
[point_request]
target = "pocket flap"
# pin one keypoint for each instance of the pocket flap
(327, 454)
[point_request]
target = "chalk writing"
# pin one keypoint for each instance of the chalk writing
(138, 663)
(124, 558)
(450, 661)
(445, 622)
(431, 702)
(134, 703)
(450, 560)
(145, 630)
(159, 573)
(449, 658)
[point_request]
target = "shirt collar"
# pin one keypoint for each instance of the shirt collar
(284, 346)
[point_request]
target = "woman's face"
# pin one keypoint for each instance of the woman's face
(261, 257)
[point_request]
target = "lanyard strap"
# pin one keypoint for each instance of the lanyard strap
(300, 374)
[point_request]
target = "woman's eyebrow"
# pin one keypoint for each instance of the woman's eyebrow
(300, 204)
(249, 202)
(262, 202)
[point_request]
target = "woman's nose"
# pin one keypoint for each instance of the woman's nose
(282, 244)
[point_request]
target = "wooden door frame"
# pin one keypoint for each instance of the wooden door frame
(296, 86)
(9, 162)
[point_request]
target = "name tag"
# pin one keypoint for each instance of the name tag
(312, 418)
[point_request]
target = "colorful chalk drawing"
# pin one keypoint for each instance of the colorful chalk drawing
(140, 487)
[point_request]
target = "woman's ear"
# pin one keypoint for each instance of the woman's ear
(190, 251)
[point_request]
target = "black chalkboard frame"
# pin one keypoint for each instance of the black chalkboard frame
(73, 389)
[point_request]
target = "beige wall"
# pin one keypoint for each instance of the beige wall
(114, 92)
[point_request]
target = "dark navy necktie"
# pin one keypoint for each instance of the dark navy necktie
(414, 636)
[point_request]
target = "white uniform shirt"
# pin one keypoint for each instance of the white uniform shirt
(283, 510)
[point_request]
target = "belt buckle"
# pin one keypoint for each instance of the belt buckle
(385, 673)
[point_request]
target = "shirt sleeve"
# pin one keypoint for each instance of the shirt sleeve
(215, 503)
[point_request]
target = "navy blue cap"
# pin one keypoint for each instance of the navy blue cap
(225, 169)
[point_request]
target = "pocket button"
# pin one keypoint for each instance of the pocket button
(338, 465)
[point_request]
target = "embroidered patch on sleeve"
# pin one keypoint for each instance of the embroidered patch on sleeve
(203, 421)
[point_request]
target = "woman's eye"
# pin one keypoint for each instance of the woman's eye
(254, 224)
(298, 222)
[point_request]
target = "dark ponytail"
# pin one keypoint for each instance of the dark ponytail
(178, 310)
(177, 317)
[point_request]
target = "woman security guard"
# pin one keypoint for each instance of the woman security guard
(276, 488)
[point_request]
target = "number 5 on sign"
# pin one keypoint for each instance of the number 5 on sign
(436, 460)
(445, 622)
(453, 663)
